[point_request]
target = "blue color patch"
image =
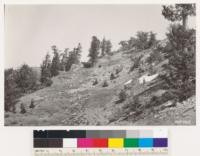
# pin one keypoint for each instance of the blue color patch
(146, 142)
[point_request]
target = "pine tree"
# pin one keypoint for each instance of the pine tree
(132, 42)
(78, 52)
(45, 69)
(73, 56)
(64, 60)
(142, 40)
(180, 77)
(103, 47)
(55, 65)
(108, 47)
(180, 70)
(94, 50)
(152, 39)
(179, 12)
(71, 59)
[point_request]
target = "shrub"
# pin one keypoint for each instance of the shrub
(122, 95)
(145, 40)
(105, 83)
(133, 103)
(11, 90)
(95, 82)
(32, 104)
(155, 56)
(151, 70)
(136, 62)
(141, 70)
(154, 101)
(118, 69)
(166, 96)
(112, 76)
(87, 64)
(152, 39)
(25, 78)
(18, 82)
(48, 82)
(23, 110)
(142, 40)
(124, 45)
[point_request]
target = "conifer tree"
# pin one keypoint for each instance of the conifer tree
(103, 47)
(55, 65)
(65, 58)
(94, 50)
(45, 69)
(108, 47)
(180, 76)
(152, 39)
(78, 52)
(180, 70)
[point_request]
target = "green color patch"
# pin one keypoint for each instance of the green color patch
(131, 142)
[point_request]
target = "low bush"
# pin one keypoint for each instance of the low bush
(17, 83)
(141, 70)
(122, 95)
(48, 82)
(95, 82)
(154, 101)
(32, 105)
(155, 56)
(136, 63)
(105, 83)
(87, 64)
(23, 110)
(134, 104)
(25, 78)
(112, 76)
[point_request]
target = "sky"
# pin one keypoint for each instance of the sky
(31, 30)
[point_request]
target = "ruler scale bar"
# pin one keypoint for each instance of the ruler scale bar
(100, 151)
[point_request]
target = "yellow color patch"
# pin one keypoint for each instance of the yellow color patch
(115, 143)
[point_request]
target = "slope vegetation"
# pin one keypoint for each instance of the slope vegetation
(74, 99)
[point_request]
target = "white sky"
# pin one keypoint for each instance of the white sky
(30, 30)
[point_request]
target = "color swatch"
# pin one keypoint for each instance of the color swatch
(100, 139)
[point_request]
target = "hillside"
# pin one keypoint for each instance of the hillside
(74, 100)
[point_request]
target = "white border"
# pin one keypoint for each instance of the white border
(183, 139)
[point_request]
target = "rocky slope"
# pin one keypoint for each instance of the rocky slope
(73, 99)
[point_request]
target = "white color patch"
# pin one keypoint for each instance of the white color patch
(70, 143)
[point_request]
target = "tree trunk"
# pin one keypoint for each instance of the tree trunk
(185, 21)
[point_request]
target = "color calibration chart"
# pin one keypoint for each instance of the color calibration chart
(100, 142)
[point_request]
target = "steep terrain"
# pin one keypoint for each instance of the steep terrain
(73, 99)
